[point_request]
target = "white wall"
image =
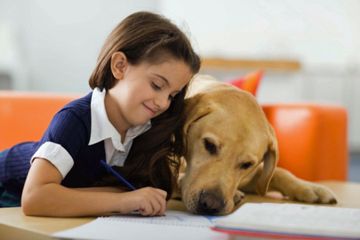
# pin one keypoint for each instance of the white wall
(315, 32)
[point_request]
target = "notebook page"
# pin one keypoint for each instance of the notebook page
(171, 218)
(175, 226)
(295, 218)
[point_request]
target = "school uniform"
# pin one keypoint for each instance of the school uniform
(78, 137)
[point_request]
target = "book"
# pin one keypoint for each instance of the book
(291, 221)
(175, 225)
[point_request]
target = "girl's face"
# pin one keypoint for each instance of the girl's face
(144, 91)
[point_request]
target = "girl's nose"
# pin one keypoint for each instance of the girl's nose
(162, 101)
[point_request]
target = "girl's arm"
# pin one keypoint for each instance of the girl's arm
(44, 196)
(102, 189)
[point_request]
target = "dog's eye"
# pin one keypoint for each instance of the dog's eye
(210, 147)
(245, 165)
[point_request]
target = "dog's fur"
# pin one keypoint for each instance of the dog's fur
(232, 149)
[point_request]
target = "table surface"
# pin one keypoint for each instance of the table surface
(14, 224)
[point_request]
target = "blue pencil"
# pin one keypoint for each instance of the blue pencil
(117, 175)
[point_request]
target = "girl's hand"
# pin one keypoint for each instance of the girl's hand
(149, 201)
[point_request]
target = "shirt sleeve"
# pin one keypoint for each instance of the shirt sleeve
(63, 140)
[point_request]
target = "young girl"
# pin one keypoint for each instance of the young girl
(131, 120)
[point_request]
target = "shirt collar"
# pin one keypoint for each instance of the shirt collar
(101, 127)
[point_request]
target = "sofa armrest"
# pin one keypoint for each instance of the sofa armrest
(24, 116)
(312, 139)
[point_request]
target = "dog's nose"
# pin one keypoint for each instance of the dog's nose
(210, 202)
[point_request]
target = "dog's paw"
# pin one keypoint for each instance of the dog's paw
(313, 193)
(238, 197)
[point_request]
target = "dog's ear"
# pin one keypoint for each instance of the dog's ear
(270, 160)
(196, 107)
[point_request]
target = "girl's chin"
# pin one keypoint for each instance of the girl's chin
(142, 121)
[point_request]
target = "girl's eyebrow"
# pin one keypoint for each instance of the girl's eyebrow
(163, 78)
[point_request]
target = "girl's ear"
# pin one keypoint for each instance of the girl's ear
(118, 65)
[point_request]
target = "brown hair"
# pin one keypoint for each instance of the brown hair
(145, 36)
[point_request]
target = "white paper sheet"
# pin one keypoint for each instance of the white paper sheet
(174, 226)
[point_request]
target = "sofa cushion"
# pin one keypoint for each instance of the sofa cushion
(249, 82)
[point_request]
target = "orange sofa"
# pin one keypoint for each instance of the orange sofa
(24, 116)
(312, 138)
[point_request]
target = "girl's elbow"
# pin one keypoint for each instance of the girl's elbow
(27, 206)
(30, 204)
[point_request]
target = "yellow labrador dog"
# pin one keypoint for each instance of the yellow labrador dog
(232, 149)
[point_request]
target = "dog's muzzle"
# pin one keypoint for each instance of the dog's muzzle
(210, 202)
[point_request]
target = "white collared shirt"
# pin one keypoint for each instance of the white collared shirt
(101, 130)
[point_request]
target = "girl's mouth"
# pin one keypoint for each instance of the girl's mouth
(152, 112)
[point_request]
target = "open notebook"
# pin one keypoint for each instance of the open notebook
(175, 225)
(262, 220)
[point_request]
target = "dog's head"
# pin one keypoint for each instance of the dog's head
(227, 138)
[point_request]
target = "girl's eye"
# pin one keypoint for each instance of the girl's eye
(155, 86)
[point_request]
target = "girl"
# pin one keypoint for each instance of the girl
(131, 120)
